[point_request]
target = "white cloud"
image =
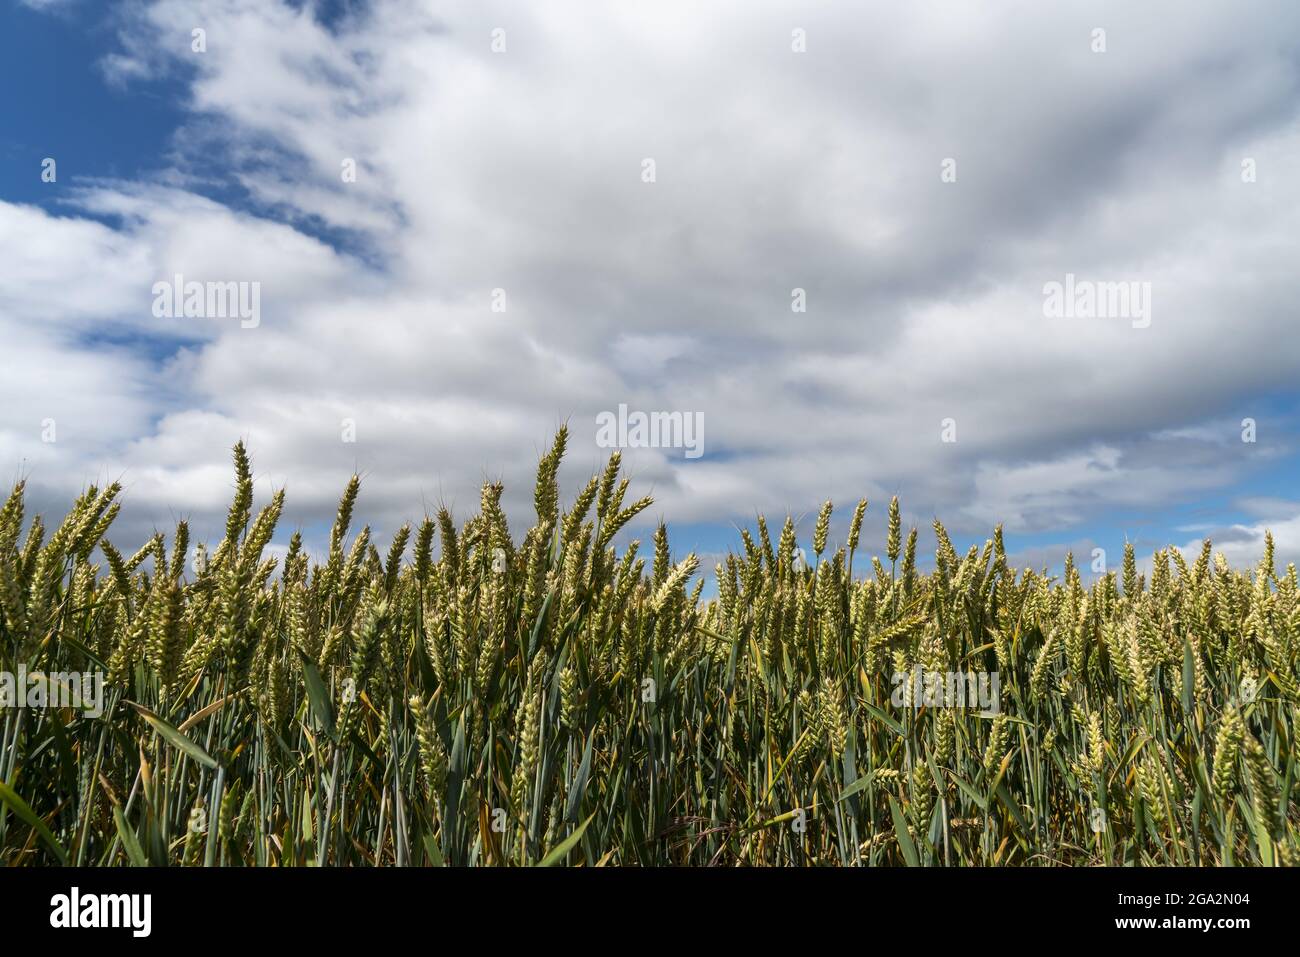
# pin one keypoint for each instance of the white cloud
(1243, 545)
(776, 170)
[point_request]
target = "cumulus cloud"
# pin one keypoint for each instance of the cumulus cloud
(521, 171)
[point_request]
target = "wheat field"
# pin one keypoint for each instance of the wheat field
(545, 699)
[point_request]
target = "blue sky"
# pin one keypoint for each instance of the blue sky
(59, 104)
(521, 169)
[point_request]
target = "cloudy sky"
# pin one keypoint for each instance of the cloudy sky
(921, 171)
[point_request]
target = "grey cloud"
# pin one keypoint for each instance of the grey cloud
(775, 170)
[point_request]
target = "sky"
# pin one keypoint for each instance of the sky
(823, 231)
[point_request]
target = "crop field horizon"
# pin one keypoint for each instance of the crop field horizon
(537, 465)
(454, 692)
